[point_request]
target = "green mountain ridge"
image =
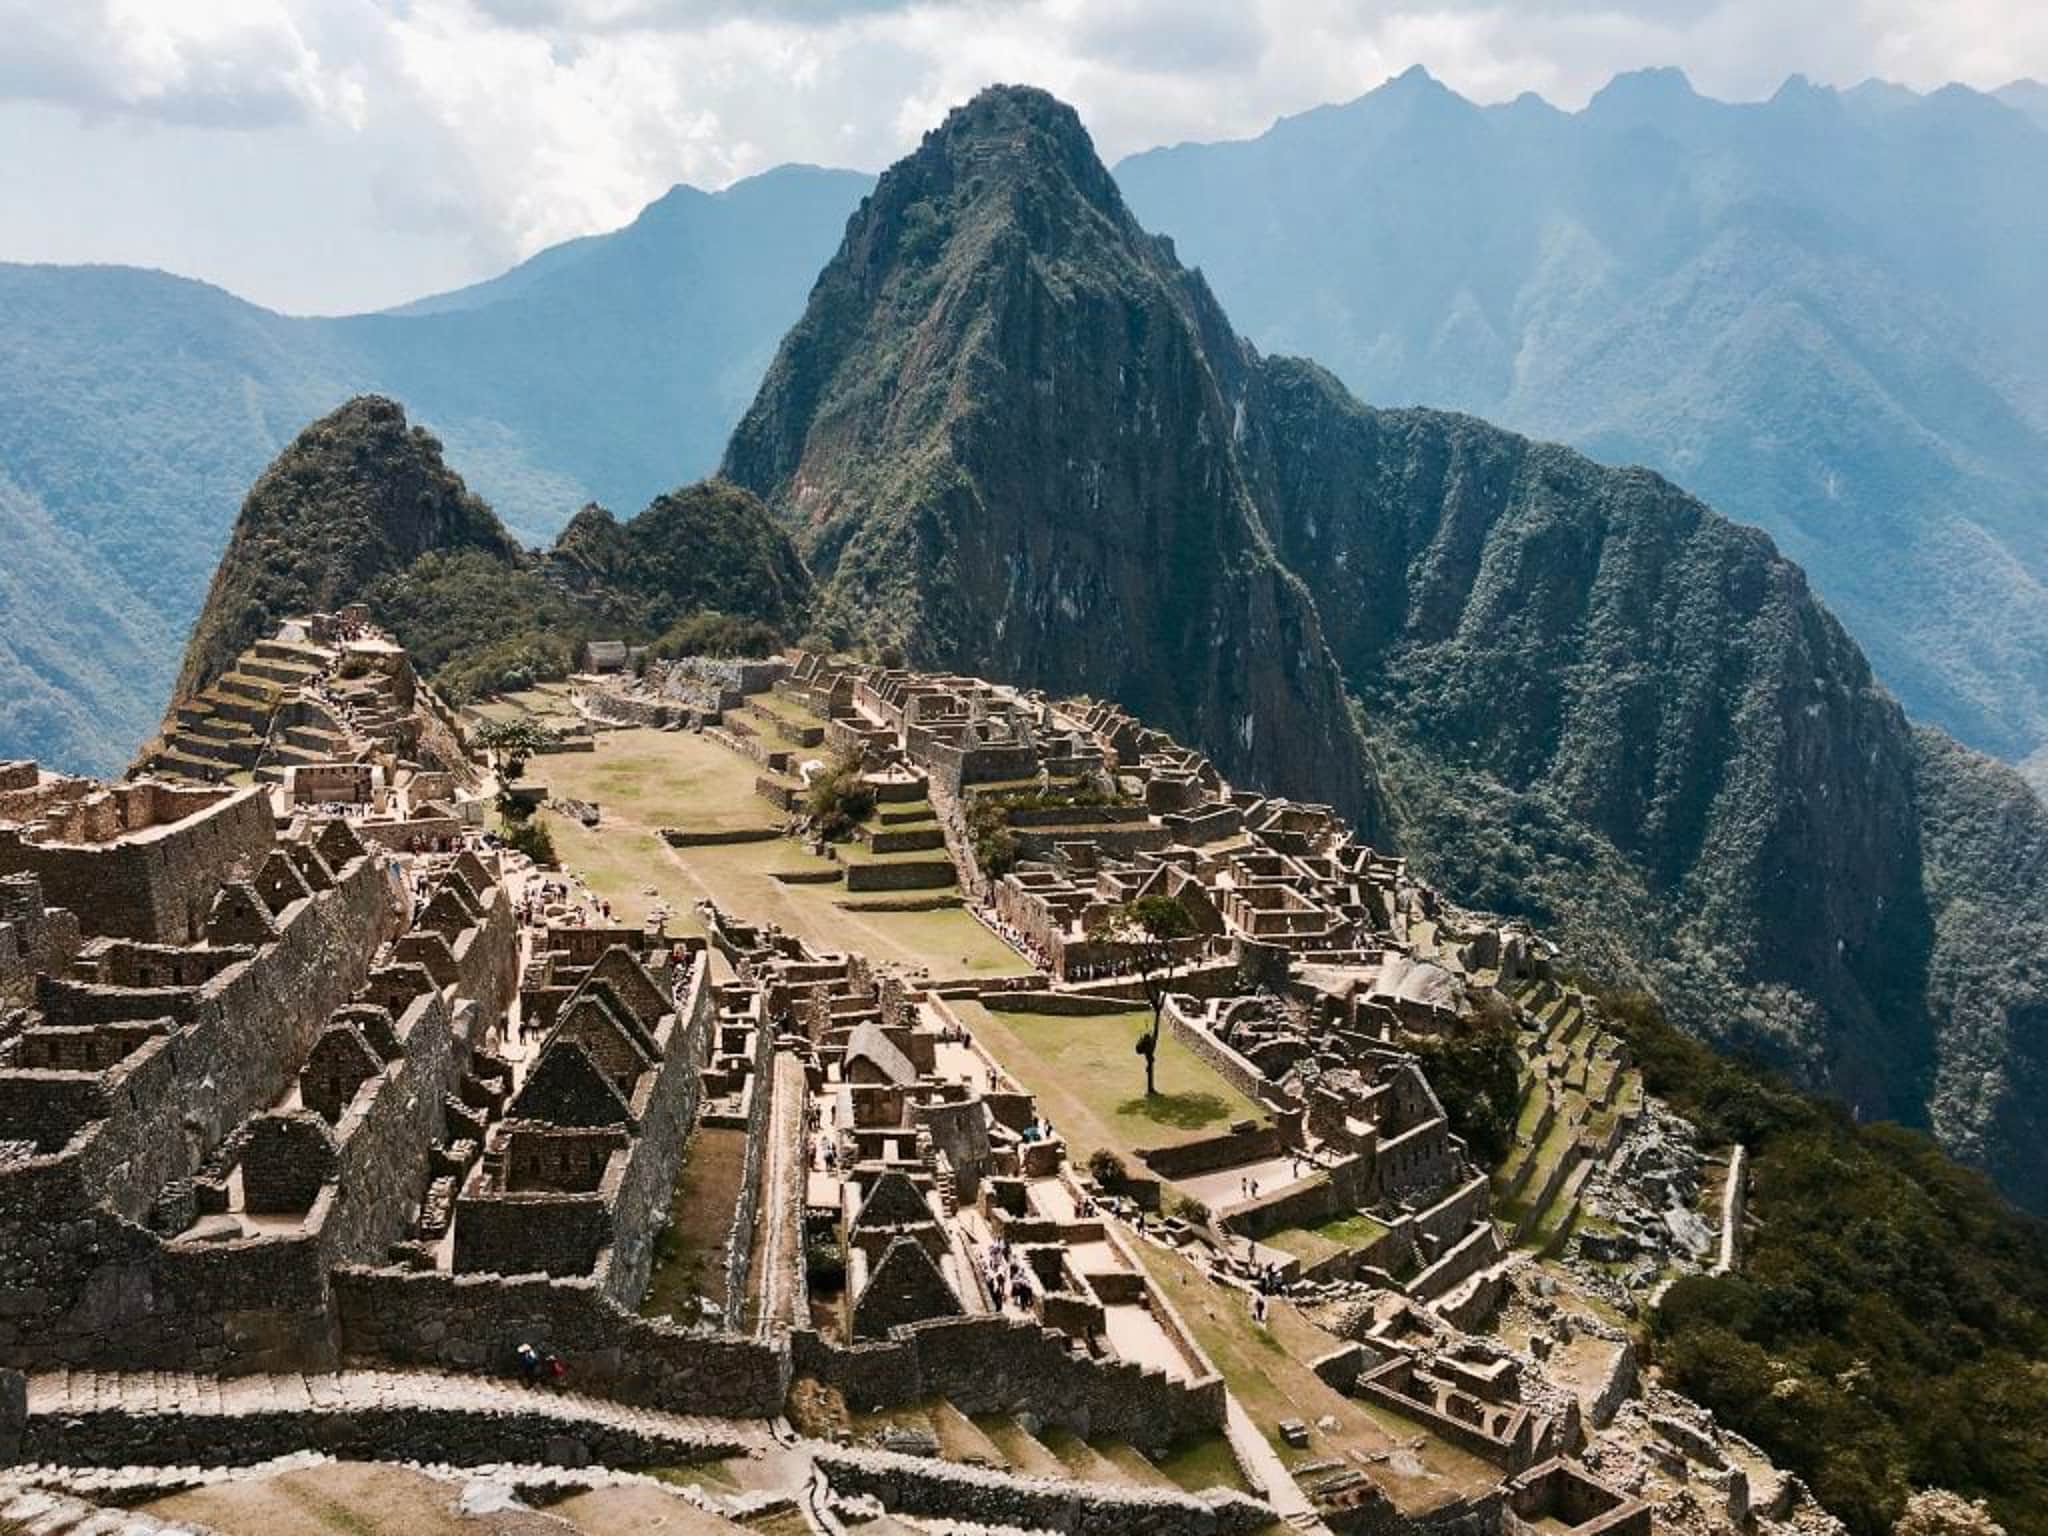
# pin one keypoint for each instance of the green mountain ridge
(362, 507)
(1012, 434)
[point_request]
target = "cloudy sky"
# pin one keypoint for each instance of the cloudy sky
(327, 155)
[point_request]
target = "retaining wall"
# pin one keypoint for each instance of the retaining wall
(475, 1322)
(1000, 1365)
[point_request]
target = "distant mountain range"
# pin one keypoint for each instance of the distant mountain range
(1826, 313)
(136, 408)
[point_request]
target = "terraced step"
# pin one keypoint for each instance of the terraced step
(1081, 1459)
(389, 1403)
(287, 674)
(241, 685)
(253, 713)
(961, 1439)
(1131, 1463)
(1026, 1454)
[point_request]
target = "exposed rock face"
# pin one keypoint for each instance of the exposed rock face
(1015, 435)
(1000, 434)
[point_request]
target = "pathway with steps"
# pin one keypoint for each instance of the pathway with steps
(1269, 1474)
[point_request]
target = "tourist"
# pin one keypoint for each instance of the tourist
(557, 1372)
(528, 1360)
(1259, 1308)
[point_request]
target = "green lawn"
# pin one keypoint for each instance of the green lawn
(786, 709)
(661, 779)
(1091, 1084)
(1327, 1239)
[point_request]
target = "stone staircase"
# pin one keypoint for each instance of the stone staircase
(227, 729)
(1004, 1443)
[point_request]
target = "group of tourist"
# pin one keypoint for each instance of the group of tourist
(1009, 1284)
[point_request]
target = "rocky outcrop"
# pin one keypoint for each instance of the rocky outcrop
(999, 435)
(362, 508)
(357, 496)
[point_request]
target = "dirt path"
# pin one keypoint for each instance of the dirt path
(346, 1499)
(779, 1250)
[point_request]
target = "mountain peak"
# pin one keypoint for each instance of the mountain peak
(357, 494)
(1638, 92)
(1006, 412)
(1011, 133)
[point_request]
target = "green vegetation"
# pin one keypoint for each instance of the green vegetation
(361, 508)
(1888, 1326)
(989, 811)
(839, 801)
(1475, 1072)
(1078, 1067)
(514, 741)
(532, 838)
(713, 633)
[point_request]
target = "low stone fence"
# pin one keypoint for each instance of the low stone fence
(906, 875)
(1064, 1004)
(682, 837)
(453, 1433)
(1001, 1365)
(918, 1486)
(475, 1322)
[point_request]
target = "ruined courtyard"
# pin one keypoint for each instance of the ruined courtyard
(755, 1174)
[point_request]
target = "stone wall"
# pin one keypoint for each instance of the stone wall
(901, 875)
(1228, 1064)
(1210, 1153)
(82, 1278)
(450, 1433)
(739, 1241)
(156, 884)
(657, 1150)
(384, 1137)
(921, 1487)
(475, 1322)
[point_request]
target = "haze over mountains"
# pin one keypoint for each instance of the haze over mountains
(1819, 312)
(136, 408)
(1827, 314)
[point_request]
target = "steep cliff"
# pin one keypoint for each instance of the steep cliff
(999, 437)
(1015, 435)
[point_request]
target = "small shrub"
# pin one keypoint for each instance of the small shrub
(532, 838)
(1106, 1169)
(1192, 1211)
(838, 801)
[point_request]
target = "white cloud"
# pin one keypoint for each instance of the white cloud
(480, 130)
